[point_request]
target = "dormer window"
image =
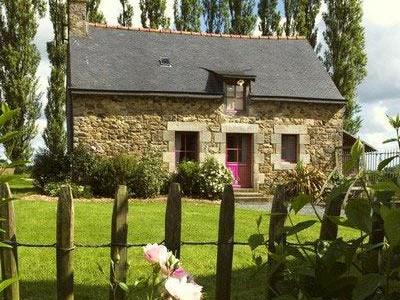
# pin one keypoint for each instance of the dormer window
(235, 97)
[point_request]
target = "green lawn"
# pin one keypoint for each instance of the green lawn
(36, 224)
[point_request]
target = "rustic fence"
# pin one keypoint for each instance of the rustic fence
(65, 243)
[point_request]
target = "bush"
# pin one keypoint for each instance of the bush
(150, 177)
(84, 163)
(187, 176)
(213, 178)
(48, 167)
(78, 191)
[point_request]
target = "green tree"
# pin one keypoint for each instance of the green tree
(345, 58)
(269, 17)
(216, 15)
(291, 10)
(54, 135)
(19, 60)
(93, 12)
(125, 18)
(187, 15)
(153, 14)
(242, 17)
(305, 22)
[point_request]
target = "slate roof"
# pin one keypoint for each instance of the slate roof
(115, 60)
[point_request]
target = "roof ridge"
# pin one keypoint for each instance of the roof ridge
(181, 32)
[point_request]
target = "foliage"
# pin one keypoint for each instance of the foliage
(216, 15)
(153, 14)
(19, 60)
(54, 134)
(395, 123)
(345, 58)
(93, 12)
(78, 191)
(83, 165)
(269, 17)
(291, 10)
(149, 177)
(304, 180)
(365, 267)
(243, 19)
(187, 175)
(187, 15)
(125, 18)
(213, 178)
(305, 21)
(49, 167)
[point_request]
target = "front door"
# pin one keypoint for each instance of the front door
(238, 158)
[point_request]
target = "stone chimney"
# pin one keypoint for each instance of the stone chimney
(78, 25)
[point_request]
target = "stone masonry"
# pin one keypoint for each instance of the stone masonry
(131, 124)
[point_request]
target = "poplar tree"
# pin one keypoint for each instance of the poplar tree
(187, 15)
(54, 135)
(291, 10)
(153, 14)
(19, 61)
(93, 12)
(269, 17)
(126, 16)
(345, 58)
(216, 15)
(305, 21)
(242, 17)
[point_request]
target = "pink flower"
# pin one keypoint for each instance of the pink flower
(179, 273)
(155, 254)
(180, 289)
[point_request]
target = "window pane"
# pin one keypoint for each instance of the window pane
(232, 156)
(230, 104)
(186, 146)
(230, 91)
(239, 91)
(289, 148)
(239, 103)
(178, 142)
(191, 142)
(231, 141)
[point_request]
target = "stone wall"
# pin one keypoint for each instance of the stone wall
(127, 124)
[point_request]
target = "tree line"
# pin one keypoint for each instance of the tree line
(343, 53)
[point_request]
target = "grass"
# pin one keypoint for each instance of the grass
(36, 224)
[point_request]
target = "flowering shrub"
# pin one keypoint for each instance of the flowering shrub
(168, 280)
(212, 178)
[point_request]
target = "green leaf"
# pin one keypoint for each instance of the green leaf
(366, 286)
(3, 245)
(299, 202)
(256, 240)
(9, 136)
(258, 221)
(385, 162)
(391, 223)
(6, 283)
(7, 115)
(358, 212)
(123, 286)
(386, 186)
(357, 150)
(258, 260)
(390, 140)
(299, 227)
(285, 297)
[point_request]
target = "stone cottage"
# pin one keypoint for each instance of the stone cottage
(258, 105)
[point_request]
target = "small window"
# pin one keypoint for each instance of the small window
(186, 146)
(235, 96)
(289, 148)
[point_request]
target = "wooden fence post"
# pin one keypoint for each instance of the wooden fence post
(225, 245)
(65, 244)
(9, 257)
(329, 229)
(276, 235)
(173, 219)
(119, 240)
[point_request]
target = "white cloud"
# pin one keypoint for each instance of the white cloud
(382, 12)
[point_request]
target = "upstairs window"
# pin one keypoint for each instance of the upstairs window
(289, 148)
(186, 146)
(235, 97)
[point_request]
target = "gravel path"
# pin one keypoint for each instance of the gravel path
(266, 207)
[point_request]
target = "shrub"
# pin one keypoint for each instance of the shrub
(84, 163)
(213, 178)
(78, 191)
(49, 167)
(149, 177)
(187, 175)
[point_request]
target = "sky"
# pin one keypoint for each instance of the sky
(379, 94)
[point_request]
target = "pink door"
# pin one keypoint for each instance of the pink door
(238, 158)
